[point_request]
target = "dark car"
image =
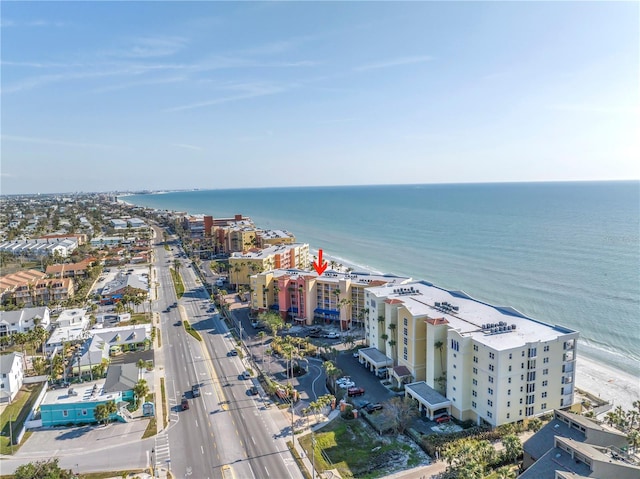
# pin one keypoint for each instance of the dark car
(253, 390)
(355, 392)
(184, 404)
(195, 390)
(233, 352)
(373, 407)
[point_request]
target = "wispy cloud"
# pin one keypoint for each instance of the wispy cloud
(136, 84)
(248, 91)
(7, 22)
(48, 141)
(149, 47)
(186, 146)
(589, 108)
(395, 62)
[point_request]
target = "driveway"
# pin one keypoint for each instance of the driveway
(62, 441)
(374, 391)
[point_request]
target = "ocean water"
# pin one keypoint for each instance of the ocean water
(562, 253)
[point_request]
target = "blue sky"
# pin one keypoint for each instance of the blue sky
(172, 95)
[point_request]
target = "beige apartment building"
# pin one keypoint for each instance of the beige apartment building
(289, 256)
(479, 362)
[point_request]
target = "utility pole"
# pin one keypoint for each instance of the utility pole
(11, 433)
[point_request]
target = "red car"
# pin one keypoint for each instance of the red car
(443, 419)
(355, 392)
(184, 404)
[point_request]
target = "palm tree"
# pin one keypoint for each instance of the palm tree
(332, 372)
(21, 339)
(141, 389)
(439, 345)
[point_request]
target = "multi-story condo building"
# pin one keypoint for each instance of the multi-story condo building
(43, 291)
(243, 265)
(305, 297)
(493, 364)
(36, 248)
(273, 237)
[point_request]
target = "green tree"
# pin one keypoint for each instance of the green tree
(512, 447)
(141, 389)
(100, 413)
(42, 470)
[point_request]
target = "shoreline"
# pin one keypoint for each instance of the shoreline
(601, 380)
(620, 388)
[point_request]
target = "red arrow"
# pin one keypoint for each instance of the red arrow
(320, 265)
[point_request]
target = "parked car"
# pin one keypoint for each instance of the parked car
(195, 390)
(332, 335)
(371, 407)
(443, 419)
(246, 375)
(233, 352)
(382, 373)
(347, 385)
(355, 392)
(184, 404)
(253, 390)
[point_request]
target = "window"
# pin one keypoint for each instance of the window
(475, 382)
(405, 356)
(509, 367)
(510, 356)
(546, 348)
(544, 394)
(489, 402)
(490, 367)
(508, 414)
(522, 377)
(454, 378)
(520, 412)
(475, 370)
(508, 403)
(531, 398)
(475, 347)
(474, 393)
(490, 391)
(491, 379)
(508, 392)
(543, 405)
(545, 360)
(405, 340)
(455, 345)
(454, 388)
(531, 364)
(406, 324)
(454, 366)
(492, 356)
(473, 404)
(509, 380)
(521, 365)
(531, 376)
(544, 383)
(545, 372)
(523, 353)
(532, 352)
(475, 359)
(489, 415)
(84, 412)
(530, 411)
(65, 413)
(406, 332)
(531, 387)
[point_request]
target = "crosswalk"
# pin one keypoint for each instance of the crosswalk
(162, 454)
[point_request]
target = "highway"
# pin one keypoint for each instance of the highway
(225, 428)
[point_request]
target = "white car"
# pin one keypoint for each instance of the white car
(332, 335)
(348, 385)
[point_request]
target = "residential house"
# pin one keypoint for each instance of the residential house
(77, 404)
(11, 375)
(125, 284)
(24, 320)
(122, 378)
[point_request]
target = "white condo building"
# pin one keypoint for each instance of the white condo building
(476, 361)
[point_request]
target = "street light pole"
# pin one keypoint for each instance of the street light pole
(11, 433)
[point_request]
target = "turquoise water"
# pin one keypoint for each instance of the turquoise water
(563, 253)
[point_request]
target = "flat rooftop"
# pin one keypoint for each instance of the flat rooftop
(80, 392)
(469, 316)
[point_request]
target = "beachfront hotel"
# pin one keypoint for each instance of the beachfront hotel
(304, 297)
(480, 362)
(451, 352)
(243, 265)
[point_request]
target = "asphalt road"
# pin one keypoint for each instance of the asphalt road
(225, 425)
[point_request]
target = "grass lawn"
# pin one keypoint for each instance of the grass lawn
(17, 410)
(356, 450)
(177, 282)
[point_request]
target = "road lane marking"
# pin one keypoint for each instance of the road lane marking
(202, 449)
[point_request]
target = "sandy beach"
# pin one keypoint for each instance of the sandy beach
(618, 387)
